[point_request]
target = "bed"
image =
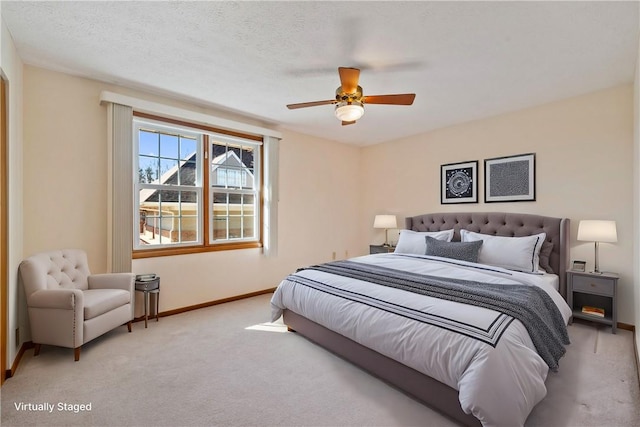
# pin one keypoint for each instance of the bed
(491, 372)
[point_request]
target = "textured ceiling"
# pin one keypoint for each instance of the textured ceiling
(464, 60)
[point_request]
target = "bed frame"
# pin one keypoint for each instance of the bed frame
(426, 389)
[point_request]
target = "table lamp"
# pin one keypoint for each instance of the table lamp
(597, 231)
(386, 222)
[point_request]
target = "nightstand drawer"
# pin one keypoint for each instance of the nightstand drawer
(150, 285)
(594, 285)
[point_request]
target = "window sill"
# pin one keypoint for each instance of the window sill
(151, 253)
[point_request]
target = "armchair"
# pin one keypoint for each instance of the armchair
(67, 305)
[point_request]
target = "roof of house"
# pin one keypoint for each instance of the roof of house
(186, 172)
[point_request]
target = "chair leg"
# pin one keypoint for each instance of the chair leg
(36, 349)
(76, 353)
(129, 325)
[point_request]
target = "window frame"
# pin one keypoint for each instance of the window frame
(205, 212)
(256, 189)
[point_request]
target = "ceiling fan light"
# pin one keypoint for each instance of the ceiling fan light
(349, 112)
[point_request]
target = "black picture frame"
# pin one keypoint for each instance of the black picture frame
(459, 182)
(510, 179)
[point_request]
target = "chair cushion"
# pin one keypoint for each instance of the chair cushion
(100, 301)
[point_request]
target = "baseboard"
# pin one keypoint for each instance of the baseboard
(635, 350)
(627, 327)
(208, 304)
(14, 367)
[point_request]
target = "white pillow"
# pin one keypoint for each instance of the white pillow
(414, 242)
(513, 253)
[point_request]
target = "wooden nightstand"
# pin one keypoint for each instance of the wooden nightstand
(381, 249)
(595, 290)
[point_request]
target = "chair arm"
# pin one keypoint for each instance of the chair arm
(65, 299)
(124, 281)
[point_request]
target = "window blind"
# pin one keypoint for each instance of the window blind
(121, 188)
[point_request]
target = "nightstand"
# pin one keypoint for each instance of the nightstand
(595, 290)
(381, 249)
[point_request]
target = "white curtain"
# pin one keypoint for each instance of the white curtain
(271, 149)
(120, 188)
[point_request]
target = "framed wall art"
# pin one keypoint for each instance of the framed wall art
(510, 179)
(459, 182)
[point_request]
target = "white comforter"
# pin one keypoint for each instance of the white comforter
(499, 385)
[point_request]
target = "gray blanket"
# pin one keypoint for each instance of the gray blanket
(529, 304)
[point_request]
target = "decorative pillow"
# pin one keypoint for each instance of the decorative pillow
(465, 251)
(545, 253)
(412, 242)
(513, 253)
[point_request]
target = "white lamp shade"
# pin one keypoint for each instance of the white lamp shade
(385, 221)
(597, 231)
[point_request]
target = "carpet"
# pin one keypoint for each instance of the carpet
(226, 365)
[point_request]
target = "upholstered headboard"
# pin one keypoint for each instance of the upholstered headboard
(504, 224)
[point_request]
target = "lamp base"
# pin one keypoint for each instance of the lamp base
(596, 266)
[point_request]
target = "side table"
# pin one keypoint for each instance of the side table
(596, 290)
(149, 287)
(381, 249)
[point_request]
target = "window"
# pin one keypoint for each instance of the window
(195, 189)
(169, 185)
(234, 186)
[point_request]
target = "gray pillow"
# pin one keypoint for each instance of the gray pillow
(464, 251)
(545, 252)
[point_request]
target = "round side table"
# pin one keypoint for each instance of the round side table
(149, 287)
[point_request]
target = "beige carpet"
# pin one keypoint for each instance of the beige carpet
(218, 366)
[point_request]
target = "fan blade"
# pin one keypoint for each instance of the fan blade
(349, 79)
(348, 123)
(399, 99)
(311, 104)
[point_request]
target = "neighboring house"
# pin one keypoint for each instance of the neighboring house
(160, 210)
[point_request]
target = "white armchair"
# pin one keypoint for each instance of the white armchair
(67, 305)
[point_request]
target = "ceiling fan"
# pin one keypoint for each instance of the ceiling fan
(349, 98)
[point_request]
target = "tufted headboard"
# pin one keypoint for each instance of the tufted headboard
(504, 224)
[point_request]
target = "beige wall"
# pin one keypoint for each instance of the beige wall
(65, 171)
(584, 167)
(65, 178)
(11, 69)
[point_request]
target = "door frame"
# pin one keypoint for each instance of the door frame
(4, 294)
